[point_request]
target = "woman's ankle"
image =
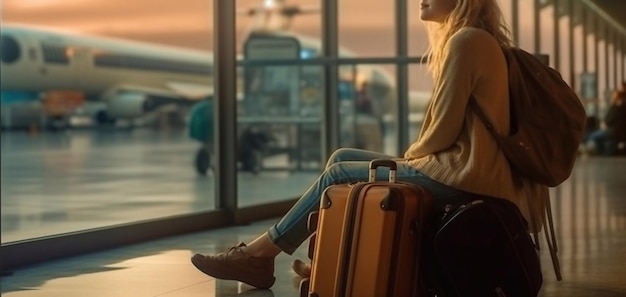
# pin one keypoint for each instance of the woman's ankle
(259, 253)
(262, 247)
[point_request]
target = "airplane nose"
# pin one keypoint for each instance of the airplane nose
(10, 51)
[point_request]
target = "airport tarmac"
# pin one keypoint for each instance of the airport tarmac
(75, 180)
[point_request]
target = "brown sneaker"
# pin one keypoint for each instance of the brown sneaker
(300, 268)
(234, 264)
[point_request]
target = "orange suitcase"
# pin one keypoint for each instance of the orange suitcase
(367, 239)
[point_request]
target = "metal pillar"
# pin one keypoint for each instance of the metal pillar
(607, 65)
(515, 20)
(622, 61)
(225, 114)
(572, 61)
(330, 49)
(557, 35)
(537, 28)
(402, 71)
(615, 42)
(585, 23)
(621, 58)
(624, 58)
(596, 58)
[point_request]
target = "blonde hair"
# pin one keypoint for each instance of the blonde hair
(482, 14)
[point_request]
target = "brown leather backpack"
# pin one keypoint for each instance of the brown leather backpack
(547, 120)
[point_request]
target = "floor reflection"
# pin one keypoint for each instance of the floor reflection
(590, 218)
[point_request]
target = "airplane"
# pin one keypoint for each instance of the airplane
(135, 78)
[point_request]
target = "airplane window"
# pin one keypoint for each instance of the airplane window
(10, 49)
(54, 54)
(141, 63)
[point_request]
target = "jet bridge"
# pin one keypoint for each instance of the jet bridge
(284, 97)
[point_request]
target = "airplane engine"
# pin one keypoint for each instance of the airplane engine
(130, 105)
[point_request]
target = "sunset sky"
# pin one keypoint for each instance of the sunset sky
(366, 26)
(190, 25)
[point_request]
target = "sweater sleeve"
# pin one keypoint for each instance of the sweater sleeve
(446, 112)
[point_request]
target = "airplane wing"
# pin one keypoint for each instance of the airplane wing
(189, 90)
(288, 11)
(131, 101)
(249, 11)
(195, 92)
(307, 9)
(174, 93)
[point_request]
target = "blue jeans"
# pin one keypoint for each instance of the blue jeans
(347, 166)
(603, 142)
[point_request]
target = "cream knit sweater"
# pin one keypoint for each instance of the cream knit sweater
(454, 147)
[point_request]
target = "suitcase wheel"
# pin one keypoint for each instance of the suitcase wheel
(312, 246)
(304, 287)
(312, 221)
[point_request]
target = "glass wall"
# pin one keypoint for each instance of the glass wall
(101, 114)
(282, 107)
(116, 123)
(109, 113)
(279, 114)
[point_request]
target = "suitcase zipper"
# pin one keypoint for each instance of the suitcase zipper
(395, 255)
(347, 254)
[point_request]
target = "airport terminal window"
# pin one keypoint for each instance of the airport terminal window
(142, 63)
(54, 54)
(10, 49)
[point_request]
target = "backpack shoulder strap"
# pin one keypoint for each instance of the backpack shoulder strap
(473, 104)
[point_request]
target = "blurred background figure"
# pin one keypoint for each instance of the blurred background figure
(201, 129)
(369, 131)
(612, 139)
(363, 100)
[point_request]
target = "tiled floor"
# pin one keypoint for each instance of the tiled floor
(589, 212)
(160, 268)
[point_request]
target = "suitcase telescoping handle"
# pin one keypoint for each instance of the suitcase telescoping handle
(393, 168)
